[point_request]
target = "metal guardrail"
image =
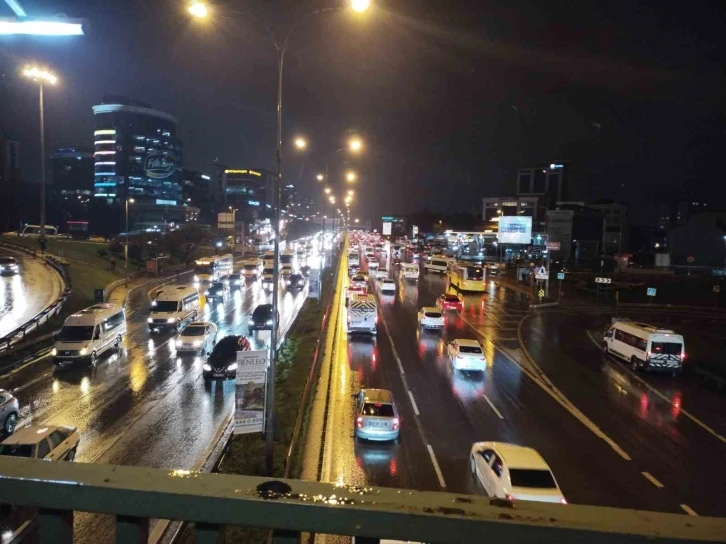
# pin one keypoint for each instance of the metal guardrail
(52, 309)
(134, 495)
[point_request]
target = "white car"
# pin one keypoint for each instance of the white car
(381, 273)
(48, 442)
(372, 262)
(430, 317)
(388, 286)
(197, 336)
(467, 354)
(508, 471)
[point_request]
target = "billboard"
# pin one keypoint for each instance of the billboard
(515, 229)
(249, 391)
(387, 228)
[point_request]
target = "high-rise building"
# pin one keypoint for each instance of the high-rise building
(247, 190)
(137, 155)
(72, 170)
(197, 193)
(551, 182)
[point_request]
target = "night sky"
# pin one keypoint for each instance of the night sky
(450, 97)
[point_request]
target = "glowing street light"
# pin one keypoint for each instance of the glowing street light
(301, 143)
(327, 190)
(359, 6)
(355, 145)
(351, 192)
(40, 75)
(357, 220)
(320, 177)
(350, 176)
(199, 10)
(332, 199)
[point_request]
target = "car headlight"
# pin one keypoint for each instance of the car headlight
(84, 351)
(206, 293)
(269, 321)
(232, 367)
(196, 278)
(170, 320)
(178, 342)
(153, 303)
(207, 367)
(54, 352)
(197, 343)
(252, 322)
(150, 320)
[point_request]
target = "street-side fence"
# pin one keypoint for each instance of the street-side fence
(18, 335)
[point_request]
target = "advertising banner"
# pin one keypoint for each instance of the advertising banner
(515, 230)
(249, 391)
(386, 228)
(315, 285)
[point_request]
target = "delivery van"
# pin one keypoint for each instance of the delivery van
(409, 271)
(362, 314)
(87, 334)
(174, 306)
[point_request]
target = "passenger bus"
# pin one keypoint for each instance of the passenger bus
(33, 231)
(208, 269)
(466, 276)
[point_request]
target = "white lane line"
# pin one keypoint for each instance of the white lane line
(688, 510)
(393, 346)
(661, 395)
(413, 403)
(440, 476)
(648, 476)
(489, 402)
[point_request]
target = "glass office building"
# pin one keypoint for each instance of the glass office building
(137, 155)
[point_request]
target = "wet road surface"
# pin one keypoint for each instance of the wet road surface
(146, 405)
(24, 295)
(608, 449)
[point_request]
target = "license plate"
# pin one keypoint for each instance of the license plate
(219, 374)
(376, 424)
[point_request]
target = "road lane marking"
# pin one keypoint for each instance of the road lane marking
(413, 403)
(390, 339)
(688, 510)
(439, 475)
(489, 402)
(648, 476)
(690, 416)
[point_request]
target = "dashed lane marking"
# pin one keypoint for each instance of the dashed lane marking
(413, 403)
(489, 402)
(688, 510)
(648, 476)
(439, 475)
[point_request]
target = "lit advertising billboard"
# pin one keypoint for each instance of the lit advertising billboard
(515, 229)
(386, 228)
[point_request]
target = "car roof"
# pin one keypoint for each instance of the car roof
(521, 457)
(430, 309)
(468, 342)
(264, 308)
(197, 324)
(378, 395)
(31, 434)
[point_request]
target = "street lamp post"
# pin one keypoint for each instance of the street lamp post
(41, 76)
(126, 237)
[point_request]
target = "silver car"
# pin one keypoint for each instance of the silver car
(197, 336)
(9, 410)
(376, 415)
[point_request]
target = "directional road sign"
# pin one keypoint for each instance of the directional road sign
(651, 291)
(560, 275)
(603, 280)
(541, 293)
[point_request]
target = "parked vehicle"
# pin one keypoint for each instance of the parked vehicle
(87, 334)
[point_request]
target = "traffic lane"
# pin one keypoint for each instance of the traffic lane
(460, 408)
(686, 391)
(658, 437)
(25, 295)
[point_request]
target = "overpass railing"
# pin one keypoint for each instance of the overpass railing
(135, 495)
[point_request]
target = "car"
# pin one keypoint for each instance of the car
(9, 266)
(355, 290)
(267, 278)
(236, 281)
(96, 238)
(295, 282)
(9, 410)
(197, 336)
(493, 269)
(305, 271)
(261, 318)
(285, 274)
(449, 302)
(381, 273)
(513, 472)
(376, 415)
(430, 317)
(372, 262)
(388, 286)
(48, 442)
(359, 280)
(353, 270)
(467, 354)
(222, 362)
(217, 291)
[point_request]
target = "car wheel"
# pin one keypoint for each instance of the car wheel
(71, 455)
(10, 423)
(472, 463)
(605, 348)
(634, 363)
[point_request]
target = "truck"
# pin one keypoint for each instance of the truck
(362, 314)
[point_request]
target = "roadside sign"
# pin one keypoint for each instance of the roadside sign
(716, 288)
(250, 391)
(553, 246)
(690, 259)
(541, 293)
(314, 284)
(560, 275)
(603, 280)
(651, 291)
(542, 274)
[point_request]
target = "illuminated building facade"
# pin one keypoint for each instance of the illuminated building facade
(247, 190)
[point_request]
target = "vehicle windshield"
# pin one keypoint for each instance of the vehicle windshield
(666, 348)
(268, 271)
(286, 259)
(75, 334)
(7, 260)
(474, 273)
(166, 306)
(451, 298)
(226, 350)
(296, 277)
(537, 479)
(194, 330)
(250, 267)
(217, 286)
(203, 269)
(18, 450)
(433, 314)
(469, 349)
(380, 410)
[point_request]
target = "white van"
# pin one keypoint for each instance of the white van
(409, 271)
(268, 259)
(362, 314)
(438, 264)
(89, 333)
(646, 346)
(173, 306)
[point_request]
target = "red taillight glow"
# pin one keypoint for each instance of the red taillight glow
(359, 422)
(683, 355)
(396, 423)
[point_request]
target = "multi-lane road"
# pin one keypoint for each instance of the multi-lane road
(147, 405)
(611, 438)
(24, 295)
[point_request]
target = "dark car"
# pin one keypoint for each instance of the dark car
(217, 290)
(222, 362)
(295, 282)
(305, 271)
(261, 318)
(236, 281)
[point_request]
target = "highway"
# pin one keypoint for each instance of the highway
(147, 405)
(605, 444)
(24, 295)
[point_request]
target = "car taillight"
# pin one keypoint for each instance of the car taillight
(359, 422)
(683, 355)
(396, 423)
